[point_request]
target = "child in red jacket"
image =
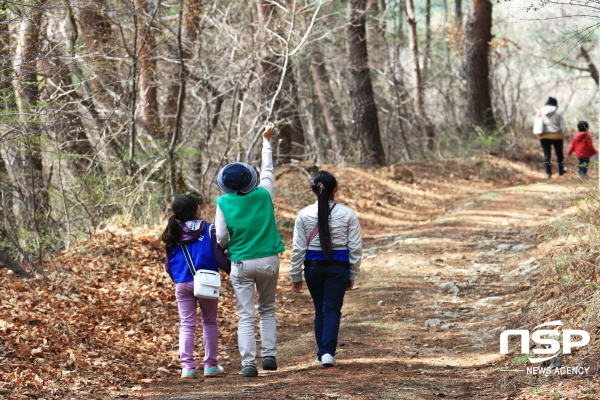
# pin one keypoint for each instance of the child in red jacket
(583, 147)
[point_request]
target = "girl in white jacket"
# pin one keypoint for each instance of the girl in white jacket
(328, 242)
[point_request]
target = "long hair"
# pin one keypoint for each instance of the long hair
(183, 209)
(323, 184)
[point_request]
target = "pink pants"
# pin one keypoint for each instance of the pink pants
(187, 305)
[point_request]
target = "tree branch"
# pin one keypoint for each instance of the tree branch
(537, 55)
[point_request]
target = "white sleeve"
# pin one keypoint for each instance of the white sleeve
(354, 246)
(563, 127)
(267, 176)
(299, 246)
(221, 229)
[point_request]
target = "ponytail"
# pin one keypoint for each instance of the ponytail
(183, 209)
(171, 234)
(323, 184)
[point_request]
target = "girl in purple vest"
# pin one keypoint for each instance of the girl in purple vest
(186, 228)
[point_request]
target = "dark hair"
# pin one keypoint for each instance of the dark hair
(183, 209)
(582, 126)
(323, 183)
(552, 102)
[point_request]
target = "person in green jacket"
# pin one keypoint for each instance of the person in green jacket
(245, 225)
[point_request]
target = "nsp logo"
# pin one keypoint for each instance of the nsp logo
(554, 349)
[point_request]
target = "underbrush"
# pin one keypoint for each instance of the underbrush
(568, 290)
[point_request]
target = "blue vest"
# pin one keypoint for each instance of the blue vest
(202, 255)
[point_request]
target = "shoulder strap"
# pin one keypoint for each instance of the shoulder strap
(188, 259)
(316, 231)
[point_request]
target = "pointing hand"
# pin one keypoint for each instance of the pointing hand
(269, 131)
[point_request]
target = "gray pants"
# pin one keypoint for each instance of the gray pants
(262, 272)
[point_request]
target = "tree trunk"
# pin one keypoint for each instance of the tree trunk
(99, 40)
(192, 12)
(8, 105)
(21, 151)
(365, 127)
(458, 12)
(62, 120)
(424, 124)
(190, 25)
(401, 96)
(427, 52)
(100, 90)
(148, 91)
(63, 123)
(176, 91)
(6, 68)
(329, 105)
(478, 35)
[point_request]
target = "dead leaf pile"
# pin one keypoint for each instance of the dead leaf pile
(109, 320)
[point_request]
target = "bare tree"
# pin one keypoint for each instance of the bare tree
(187, 29)
(280, 90)
(22, 152)
(427, 52)
(99, 77)
(99, 39)
(365, 126)
(327, 101)
(425, 125)
(7, 99)
(187, 34)
(148, 89)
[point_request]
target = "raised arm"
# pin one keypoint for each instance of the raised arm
(267, 176)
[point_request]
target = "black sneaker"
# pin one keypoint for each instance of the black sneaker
(250, 371)
(269, 363)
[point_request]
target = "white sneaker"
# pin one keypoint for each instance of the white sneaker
(188, 373)
(328, 361)
(214, 371)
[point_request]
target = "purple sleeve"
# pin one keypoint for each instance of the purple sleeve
(222, 261)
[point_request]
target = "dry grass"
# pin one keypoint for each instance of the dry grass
(569, 290)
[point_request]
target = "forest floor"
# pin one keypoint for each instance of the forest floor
(450, 261)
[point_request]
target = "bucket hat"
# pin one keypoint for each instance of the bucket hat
(237, 177)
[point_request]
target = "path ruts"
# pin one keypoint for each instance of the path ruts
(425, 319)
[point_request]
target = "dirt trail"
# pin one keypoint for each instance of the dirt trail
(436, 289)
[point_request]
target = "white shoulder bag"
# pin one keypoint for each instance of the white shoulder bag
(538, 124)
(206, 282)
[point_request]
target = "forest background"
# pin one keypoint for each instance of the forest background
(111, 108)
